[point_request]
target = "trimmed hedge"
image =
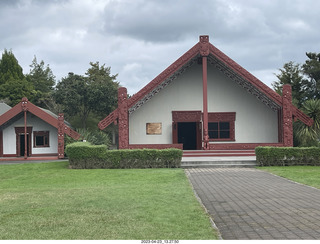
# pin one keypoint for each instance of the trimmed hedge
(288, 156)
(83, 155)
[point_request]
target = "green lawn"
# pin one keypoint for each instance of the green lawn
(50, 201)
(308, 175)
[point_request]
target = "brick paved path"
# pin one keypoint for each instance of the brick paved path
(252, 204)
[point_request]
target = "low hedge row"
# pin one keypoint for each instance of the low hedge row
(288, 156)
(83, 155)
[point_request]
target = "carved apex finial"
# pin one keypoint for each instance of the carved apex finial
(204, 46)
(24, 102)
(204, 38)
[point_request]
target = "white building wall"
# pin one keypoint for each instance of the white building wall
(255, 122)
(9, 135)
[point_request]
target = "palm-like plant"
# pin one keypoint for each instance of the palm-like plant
(305, 135)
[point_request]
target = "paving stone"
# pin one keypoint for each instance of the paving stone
(248, 203)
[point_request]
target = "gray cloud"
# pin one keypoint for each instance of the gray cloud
(140, 38)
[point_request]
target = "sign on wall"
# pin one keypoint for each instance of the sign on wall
(154, 128)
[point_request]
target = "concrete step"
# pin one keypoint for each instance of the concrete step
(218, 153)
(218, 162)
(208, 165)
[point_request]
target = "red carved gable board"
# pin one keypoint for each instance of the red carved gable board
(26, 105)
(204, 47)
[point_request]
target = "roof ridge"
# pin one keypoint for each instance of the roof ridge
(182, 60)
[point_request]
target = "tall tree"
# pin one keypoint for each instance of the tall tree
(103, 88)
(9, 68)
(43, 80)
(71, 92)
(41, 76)
(13, 84)
(311, 69)
(95, 93)
(292, 74)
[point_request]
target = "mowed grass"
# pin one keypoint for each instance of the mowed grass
(50, 201)
(308, 175)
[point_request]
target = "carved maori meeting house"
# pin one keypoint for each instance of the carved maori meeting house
(205, 101)
(30, 132)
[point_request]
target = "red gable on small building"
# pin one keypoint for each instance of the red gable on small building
(205, 100)
(29, 131)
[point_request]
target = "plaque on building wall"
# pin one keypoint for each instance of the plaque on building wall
(154, 128)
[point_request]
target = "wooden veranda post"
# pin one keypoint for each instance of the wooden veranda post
(123, 120)
(287, 116)
(24, 105)
(204, 52)
(61, 135)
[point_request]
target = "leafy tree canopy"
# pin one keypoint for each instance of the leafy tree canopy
(41, 76)
(305, 82)
(291, 74)
(96, 92)
(304, 79)
(9, 68)
(311, 69)
(14, 90)
(43, 81)
(13, 84)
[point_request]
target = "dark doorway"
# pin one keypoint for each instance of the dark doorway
(187, 135)
(22, 145)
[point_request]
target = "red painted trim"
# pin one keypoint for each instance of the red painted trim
(43, 134)
(19, 131)
(245, 74)
(280, 138)
(155, 146)
(186, 116)
(61, 128)
(185, 58)
(174, 132)
(221, 116)
(33, 155)
(111, 118)
(223, 139)
(1, 143)
(241, 146)
(224, 117)
(26, 105)
(123, 117)
(26, 137)
(287, 116)
(205, 103)
(10, 114)
(9, 155)
(205, 48)
(298, 114)
(199, 135)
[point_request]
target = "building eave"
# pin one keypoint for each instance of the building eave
(216, 57)
(26, 105)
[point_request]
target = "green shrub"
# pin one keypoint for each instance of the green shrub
(288, 156)
(95, 137)
(86, 156)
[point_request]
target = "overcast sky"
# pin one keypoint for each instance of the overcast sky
(138, 39)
